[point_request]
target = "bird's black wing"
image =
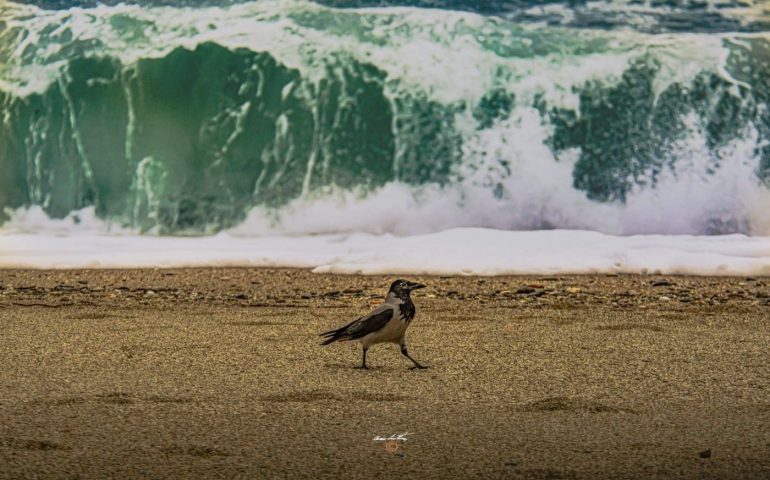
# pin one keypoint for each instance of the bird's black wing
(361, 327)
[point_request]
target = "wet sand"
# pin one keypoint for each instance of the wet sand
(217, 373)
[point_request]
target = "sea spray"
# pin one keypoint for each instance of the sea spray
(267, 117)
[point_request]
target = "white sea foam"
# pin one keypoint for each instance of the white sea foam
(401, 228)
(698, 194)
(509, 178)
(34, 221)
(420, 49)
(461, 251)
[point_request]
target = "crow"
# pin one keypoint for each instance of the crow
(386, 323)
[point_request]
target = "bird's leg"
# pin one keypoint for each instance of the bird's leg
(406, 354)
(363, 363)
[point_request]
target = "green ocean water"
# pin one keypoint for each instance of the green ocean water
(184, 118)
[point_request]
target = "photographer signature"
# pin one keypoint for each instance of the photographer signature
(396, 437)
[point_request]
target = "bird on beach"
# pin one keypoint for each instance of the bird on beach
(385, 324)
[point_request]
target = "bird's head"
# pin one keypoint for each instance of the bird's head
(401, 288)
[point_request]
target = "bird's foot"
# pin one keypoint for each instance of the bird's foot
(362, 367)
(418, 367)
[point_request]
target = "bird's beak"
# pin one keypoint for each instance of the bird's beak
(415, 286)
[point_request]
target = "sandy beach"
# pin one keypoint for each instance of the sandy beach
(217, 373)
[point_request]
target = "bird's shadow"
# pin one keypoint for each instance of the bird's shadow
(347, 366)
(353, 368)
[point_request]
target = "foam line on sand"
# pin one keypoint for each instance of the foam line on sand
(461, 251)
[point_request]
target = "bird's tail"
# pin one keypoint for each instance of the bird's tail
(333, 335)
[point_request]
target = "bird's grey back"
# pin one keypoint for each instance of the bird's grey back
(372, 321)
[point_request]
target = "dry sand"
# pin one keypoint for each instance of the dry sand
(217, 373)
